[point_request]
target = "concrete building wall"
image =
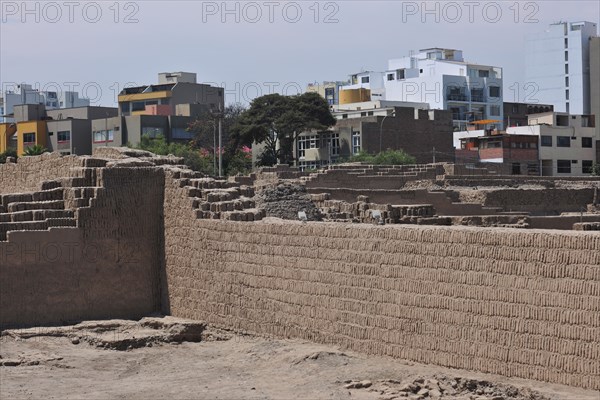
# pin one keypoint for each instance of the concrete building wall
(116, 124)
(595, 83)
(488, 300)
(83, 113)
(80, 136)
(559, 54)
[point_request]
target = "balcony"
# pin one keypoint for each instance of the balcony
(478, 98)
(457, 97)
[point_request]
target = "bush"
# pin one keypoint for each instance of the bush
(7, 153)
(35, 150)
(596, 169)
(388, 157)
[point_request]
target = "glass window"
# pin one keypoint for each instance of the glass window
(494, 110)
(546, 141)
(563, 166)
(355, 142)
(364, 79)
(390, 77)
(586, 142)
(494, 92)
(29, 138)
(484, 73)
(563, 141)
(400, 74)
(63, 136)
(586, 166)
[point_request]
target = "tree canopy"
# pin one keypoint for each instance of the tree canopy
(273, 119)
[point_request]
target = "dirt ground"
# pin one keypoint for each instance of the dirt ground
(177, 359)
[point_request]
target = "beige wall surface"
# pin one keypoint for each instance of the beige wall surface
(515, 303)
(107, 267)
(29, 172)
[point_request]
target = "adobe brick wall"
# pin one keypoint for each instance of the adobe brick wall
(515, 303)
(106, 268)
(27, 173)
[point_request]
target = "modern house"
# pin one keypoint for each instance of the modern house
(567, 143)
(517, 114)
(439, 77)
(518, 153)
(165, 109)
(21, 94)
(422, 133)
(330, 91)
(65, 130)
(558, 64)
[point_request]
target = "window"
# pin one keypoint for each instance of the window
(355, 142)
(477, 95)
(301, 147)
(104, 136)
(29, 138)
(566, 68)
(515, 109)
(138, 106)
(563, 166)
(567, 82)
(421, 71)
(390, 77)
(484, 73)
(546, 141)
(516, 168)
(152, 132)
(400, 74)
(364, 79)
(566, 43)
(586, 166)
(495, 92)
(494, 110)
(63, 136)
(586, 142)
(566, 56)
(567, 94)
(335, 144)
(563, 141)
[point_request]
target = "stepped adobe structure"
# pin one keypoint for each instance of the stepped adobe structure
(459, 268)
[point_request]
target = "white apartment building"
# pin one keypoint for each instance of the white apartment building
(558, 65)
(567, 143)
(441, 78)
(26, 94)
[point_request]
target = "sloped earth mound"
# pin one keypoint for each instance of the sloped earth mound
(166, 357)
(445, 387)
(115, 334)
(285, 201)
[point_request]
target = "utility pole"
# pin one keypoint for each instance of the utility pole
(220, 141)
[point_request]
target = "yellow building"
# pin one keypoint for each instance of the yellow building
(7, 130)
(359, 95)
(30, 133)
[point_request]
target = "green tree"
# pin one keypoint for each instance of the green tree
(596, 169)
(275, 119)
(35, 150)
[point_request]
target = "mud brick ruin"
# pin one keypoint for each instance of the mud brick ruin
(446, 280)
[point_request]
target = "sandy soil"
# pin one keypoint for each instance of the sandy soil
(155, 360)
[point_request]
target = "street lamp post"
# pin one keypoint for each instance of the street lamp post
(393, 113)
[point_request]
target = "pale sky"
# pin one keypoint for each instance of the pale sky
(258, 47)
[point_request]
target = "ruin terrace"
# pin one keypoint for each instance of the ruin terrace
(437, 264)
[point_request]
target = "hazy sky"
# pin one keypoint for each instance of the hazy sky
(255, 48)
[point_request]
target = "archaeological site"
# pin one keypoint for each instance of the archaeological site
(479, 285)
